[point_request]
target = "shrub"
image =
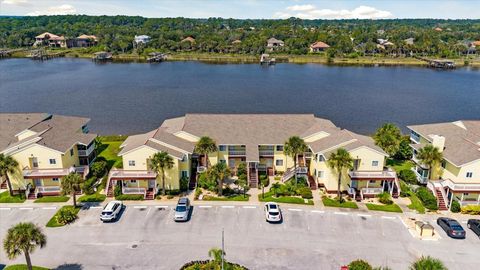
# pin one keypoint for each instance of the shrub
(117, 191)
(427, 198)
(66, 215)
(408, 176)
(98, 168)
(305, 192)
(92, 198)
(198, 192)
(184, 183)
(170, 197)
(359, 265)
(405, 189)
(89, 185)
(471, 210)
(385, 198)
(455, 207)
(129, 197)
(301, 181)
(207, 182)
(173, 192)
(264, 180)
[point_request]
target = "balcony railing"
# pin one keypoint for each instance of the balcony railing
(57, 173)
(236, 152)
(124, 174)
(134, 190)
(372, 174)
(421, 179)
(460, 186)
(266, 152)
(46, 190)
(371, 191)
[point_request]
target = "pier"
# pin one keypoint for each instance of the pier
(266, 60)
(156, 57)
(102, 56)
(438, 63)
(42, 54)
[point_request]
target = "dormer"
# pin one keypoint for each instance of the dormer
(24, 134)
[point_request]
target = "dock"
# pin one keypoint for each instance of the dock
(42, 54)
(266, 60)
(102, 56)
(156, 57)
(438, 63)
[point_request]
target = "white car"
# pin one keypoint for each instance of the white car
(111, 211)
(273, 212)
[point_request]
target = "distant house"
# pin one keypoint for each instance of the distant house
(50, 40)
(273, 43)
(86, 41)
(438, 29)
(384, 44)
(188, 39)
(142, 39)
(409, 41)
(319, 46)
(236, 42)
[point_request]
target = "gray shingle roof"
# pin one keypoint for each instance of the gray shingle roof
(14, 123)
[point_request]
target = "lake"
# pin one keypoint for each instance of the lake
(127, 98)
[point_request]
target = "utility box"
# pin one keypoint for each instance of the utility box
(424, 229)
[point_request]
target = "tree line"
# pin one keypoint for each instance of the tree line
(216, 35)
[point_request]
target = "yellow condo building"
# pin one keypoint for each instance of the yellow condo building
(459, 143)
(258, 141)
(47, 148)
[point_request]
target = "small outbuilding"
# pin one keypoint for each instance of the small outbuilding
(319, 46)
(424, 229)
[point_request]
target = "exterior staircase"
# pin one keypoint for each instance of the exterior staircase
(32, 195)
(150, 195)
(253, 178)
(4, 185)
(442, 206)
(110, 191)
(312, 183)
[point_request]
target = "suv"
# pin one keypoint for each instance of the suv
(111, 211)
(474, 225)
(451, 227)
(273, 212)
(182, 210)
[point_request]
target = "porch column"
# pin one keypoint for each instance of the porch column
(462, 197)
(478, 200)
(390, 188)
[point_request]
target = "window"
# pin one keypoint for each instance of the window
(279, 148)
(320, 174)
(374, 163)
(465, 194)
(184, 174)
(131, 163)
(444, 163)
(133, 181)
(321, 158)
(469, 174)
(71, 152)
(371, 181)
(52, 161)
(222, 148)
(55, 179)
(279, 162)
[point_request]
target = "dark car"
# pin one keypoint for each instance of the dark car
(474, 225)
(451, 227)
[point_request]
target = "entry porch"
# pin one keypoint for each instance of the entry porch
(132, 182)
(368, 184)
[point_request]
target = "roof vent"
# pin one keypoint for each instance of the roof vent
(459, 124)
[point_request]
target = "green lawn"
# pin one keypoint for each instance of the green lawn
(416, 204)
(53, 221)
(23, 267)
(269, 197)
(384, 207)
(399, 165)
(96, 197)
(6, 198)
(239, 198)
(52, 199)
(335, 203)
(109, 148)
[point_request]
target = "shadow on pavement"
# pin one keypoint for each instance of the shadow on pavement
(69, 266)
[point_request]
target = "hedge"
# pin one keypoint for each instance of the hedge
(471, 210)
(427, 198)
(129, 197)
(92, 198)
(455, 207)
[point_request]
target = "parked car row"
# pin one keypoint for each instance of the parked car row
(455, 230)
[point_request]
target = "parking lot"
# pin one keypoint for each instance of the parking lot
(146, 237)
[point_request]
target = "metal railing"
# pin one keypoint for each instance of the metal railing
(460, 186)
(266, 152)
(115, 173)
(134, 190)
(46, 189)
(421, 179)
(87, 152)
(236, 152)
(372, 174)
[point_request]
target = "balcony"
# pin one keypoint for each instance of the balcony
(86, 153)
(266, 152)
(372, 175)
(236, 152)
(54, 173)
(134, 190)
(460, 186)
(117, 174)
(46, 190)
(422, 179)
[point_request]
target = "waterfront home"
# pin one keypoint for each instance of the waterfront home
(50, 40)
(459, 176)
(273, 43)
(86, 41)
(142, 39)
(384, 44)
(236, 42)
(319, 46)
(47, 147)
(188, 39)
(409, 41)
(257, 140)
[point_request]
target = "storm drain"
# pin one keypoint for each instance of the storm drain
(134, 246)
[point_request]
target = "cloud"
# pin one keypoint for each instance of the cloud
(311, 12)
(57, 10)
(16, 2)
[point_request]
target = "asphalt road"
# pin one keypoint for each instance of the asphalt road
(146, 237)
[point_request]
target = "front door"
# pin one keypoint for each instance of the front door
(151, 184)
(37, 182)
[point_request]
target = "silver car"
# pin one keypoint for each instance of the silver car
(182, 210)
(111, 211)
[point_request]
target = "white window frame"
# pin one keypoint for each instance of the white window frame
(184, 173)
(131, 163)
(133, 181)
(52, 161)
(375, 163)
(320, 174)
(276, 162)
(321, 158)
(277, 148)
(222, 148)
(371, 181)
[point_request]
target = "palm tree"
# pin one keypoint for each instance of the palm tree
(430, 156)
(71, 184)
(160, 162)
(7, 165)
(205, 146)
(340, 161)
(216, 254)
(428, 263)
(388, 137)
(219, 171)
(293, 147)
(275, 187)
(23, 238)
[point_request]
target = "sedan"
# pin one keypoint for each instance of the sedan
(182, 210)
(451, 227)
(273, 212)
(474, 225)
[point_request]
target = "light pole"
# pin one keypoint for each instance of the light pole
(223, 246)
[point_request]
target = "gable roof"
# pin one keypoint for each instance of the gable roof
(462, 139)
(47, 33)
(13, 123)
(319, 45)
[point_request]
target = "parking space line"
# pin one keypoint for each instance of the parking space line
(464, 222)
(205, 206)
(161, 206)
(363, 215)
(228, 206)
(318, 211)
(49, 208)
(5, 208)
(249, 207)
(26, 208)
(387, 217)
(340, 213)
(140, 207)
(294, 209)
(95, 207)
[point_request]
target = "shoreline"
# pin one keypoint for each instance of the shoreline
(250, 59)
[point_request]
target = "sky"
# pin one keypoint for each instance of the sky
(251, 9)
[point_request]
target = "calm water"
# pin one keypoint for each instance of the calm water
(129, 98)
